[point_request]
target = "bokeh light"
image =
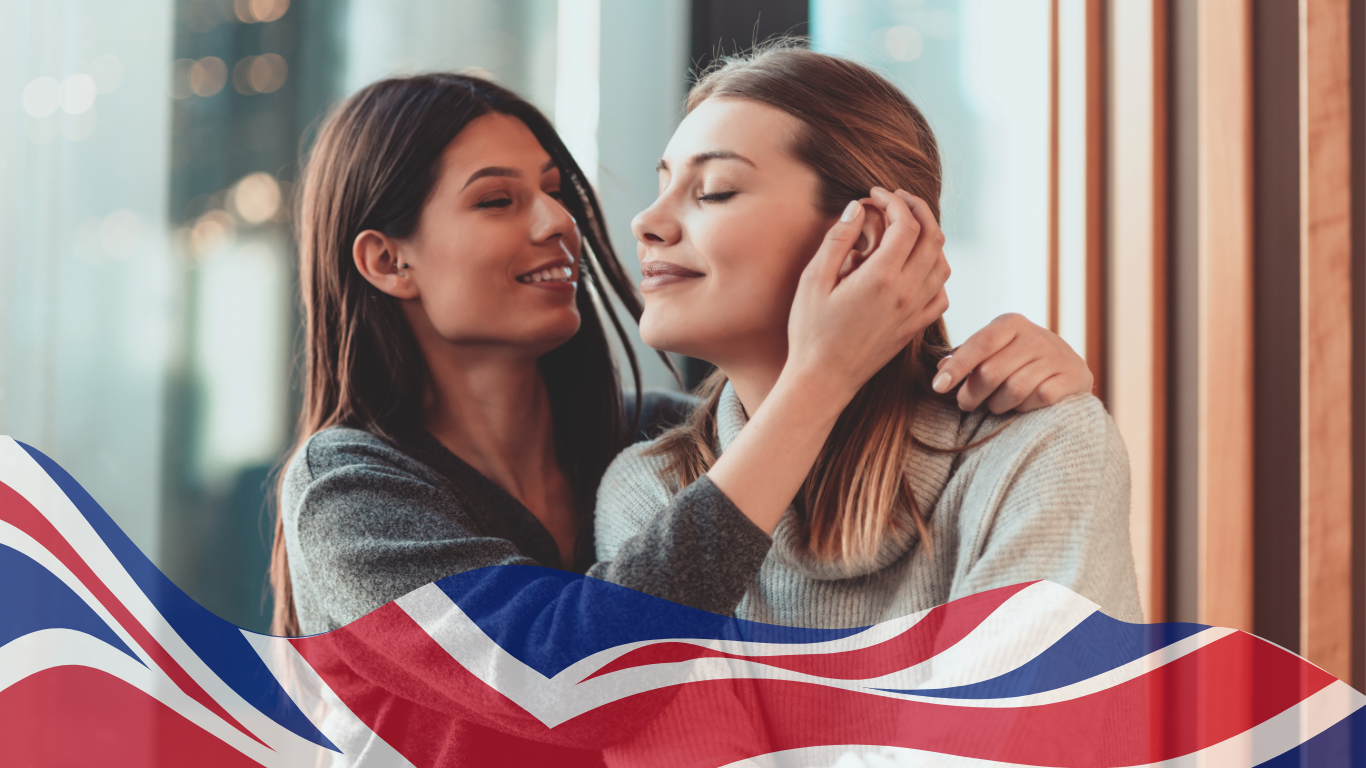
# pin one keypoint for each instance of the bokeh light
(241, 76)
(211, 235)
(256, 198)
(250, 11)
(208, 76)
(107, 70)
(901, 43)
(267, 73)
(120, 233)
(42, 96)
(78, 94)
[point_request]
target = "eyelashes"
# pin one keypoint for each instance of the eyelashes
(716, 197)
(504, 202)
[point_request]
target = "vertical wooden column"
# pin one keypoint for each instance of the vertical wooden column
(1054, 157)
(1136, 392)
(1325, 336)
(1225, 426)
(1096, 339)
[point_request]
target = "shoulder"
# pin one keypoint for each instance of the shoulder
(358, 461)
(639, 467)
(1079, 422)
(350, 449)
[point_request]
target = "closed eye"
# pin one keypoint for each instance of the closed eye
(716, 197)
(500, 202)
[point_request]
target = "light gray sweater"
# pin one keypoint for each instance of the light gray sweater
(1047, 498)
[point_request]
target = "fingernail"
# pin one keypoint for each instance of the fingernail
(941, 382)
(850, 210)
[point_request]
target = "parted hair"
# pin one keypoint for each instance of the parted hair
(373, 166)
(856, 131)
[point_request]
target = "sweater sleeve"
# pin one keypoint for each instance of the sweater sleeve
(1050, 500)
(369, 526)
(372, 528)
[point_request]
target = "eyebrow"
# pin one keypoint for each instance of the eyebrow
(701, 158)
(503, 171)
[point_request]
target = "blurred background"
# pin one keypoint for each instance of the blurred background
(1115, 170)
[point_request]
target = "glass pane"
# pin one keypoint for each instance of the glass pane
(979, 71)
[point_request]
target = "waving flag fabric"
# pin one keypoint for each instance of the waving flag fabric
(103, 661)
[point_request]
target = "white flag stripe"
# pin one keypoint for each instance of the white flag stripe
(1108, 679)
(19, 471)
(558, 699)
(23, 543)
(317, 700)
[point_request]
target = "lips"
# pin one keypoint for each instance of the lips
(657, 274)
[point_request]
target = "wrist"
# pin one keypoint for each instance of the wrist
(812, 392)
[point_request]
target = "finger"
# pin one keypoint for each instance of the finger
(933, 310)
(835, 248)
(900, 236)
(1051, 391)
(996, 336)
(1020, 386)
(931, 239)
(993, 372)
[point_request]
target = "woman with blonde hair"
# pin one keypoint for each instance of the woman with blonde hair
(910, 503)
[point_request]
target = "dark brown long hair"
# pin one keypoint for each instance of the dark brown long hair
(373, 166)
(857, 131)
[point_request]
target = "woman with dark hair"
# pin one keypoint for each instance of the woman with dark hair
(461, 401)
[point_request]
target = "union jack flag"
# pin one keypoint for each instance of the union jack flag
(103, 661)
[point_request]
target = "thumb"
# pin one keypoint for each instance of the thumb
(839, 241)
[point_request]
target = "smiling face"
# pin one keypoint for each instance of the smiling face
(722, 248)
(494, 260)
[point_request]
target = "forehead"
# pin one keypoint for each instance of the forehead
(494, 139)
(749, 128)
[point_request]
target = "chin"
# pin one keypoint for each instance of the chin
(666, 337)
(553, 333)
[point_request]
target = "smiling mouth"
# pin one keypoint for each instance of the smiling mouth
(657, 274)
(548, 275)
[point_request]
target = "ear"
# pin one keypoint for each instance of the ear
(377, 259)
(874, 224)
(870, 236)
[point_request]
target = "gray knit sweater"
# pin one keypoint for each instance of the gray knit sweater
(1047, 498)
(367, 520)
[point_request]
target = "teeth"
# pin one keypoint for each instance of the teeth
(558, 274)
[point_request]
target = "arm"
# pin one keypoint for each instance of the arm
(1049, 500)
(372, 527)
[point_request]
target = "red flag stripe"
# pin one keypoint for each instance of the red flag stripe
(17, 511)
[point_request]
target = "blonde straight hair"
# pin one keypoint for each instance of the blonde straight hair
(857, 131)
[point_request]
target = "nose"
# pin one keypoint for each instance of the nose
(655, 226)
(551, 221)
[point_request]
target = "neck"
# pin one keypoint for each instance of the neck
(493, 411)
(754, 376)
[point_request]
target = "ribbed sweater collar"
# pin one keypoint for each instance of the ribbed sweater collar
(935, 423)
